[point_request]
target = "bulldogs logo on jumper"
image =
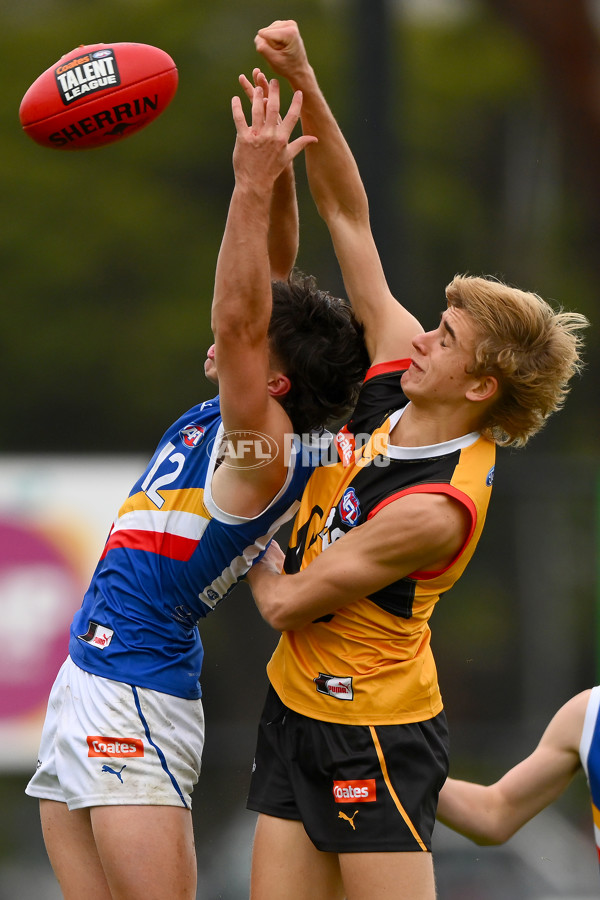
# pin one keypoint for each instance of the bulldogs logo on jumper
(86, 75)
(349, 507)
(192, 434)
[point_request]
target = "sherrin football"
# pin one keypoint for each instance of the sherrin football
(98, 94)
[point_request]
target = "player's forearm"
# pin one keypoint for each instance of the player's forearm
(333, 175)
(242, 281)
(283, 234)
(471, 810)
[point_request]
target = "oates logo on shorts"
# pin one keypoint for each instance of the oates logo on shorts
(114, 746)
(335, 686)
(355, 791)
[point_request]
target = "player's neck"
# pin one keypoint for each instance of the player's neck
(424, 426)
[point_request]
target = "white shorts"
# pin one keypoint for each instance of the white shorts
(107, 743)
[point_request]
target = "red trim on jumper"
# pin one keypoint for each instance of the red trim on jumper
(172, 546)
(435, 489)
(394, 365)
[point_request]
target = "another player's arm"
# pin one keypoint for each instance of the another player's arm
(491, 814)
(284, 231)
(341, 200)
(284, 227)
(242, 298)
(416, 532)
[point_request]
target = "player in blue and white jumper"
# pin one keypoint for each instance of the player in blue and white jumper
(122, 742)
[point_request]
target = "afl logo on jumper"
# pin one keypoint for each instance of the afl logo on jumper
(490, 477)
(334, 686)
(349, 507)
(192, 434)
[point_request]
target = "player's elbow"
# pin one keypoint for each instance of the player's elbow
(493, 833)
(491, 839)
(279, 618)
(281, 615)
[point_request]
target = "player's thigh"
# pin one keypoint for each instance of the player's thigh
(147, 852)
(286, 865)
(388, 876)
(72, 851)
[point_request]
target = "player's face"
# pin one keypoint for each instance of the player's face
(210, 366)
(440, 359)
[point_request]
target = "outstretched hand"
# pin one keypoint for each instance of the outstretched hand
(282, 47)
(263, 148)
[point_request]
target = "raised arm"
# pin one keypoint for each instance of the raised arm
(341, 200)
(492, 814)
(284, 226)
(242, 299)
(283, 234)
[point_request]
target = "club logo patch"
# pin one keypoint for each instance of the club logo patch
(87, 74)
(335, 686)
(192, 434)
(115, 747)
(98, 635)
(349, 507)
(355, 791)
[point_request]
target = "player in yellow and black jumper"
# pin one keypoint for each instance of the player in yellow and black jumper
(352, 747)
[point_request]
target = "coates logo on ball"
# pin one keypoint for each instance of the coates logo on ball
(98, 94)
(86, 75)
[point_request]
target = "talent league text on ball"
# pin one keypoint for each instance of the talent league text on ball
(86, 75)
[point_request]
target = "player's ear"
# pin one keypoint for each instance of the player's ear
(278, 384)
(485, 388)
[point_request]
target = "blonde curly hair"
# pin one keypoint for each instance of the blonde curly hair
(532, 349)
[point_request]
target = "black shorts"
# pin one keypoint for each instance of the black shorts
(356, 788)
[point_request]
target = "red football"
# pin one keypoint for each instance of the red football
(98, 94)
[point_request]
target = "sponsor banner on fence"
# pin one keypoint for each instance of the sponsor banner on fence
(55, 514)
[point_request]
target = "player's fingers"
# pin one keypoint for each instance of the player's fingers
(258, 108)
(259, 78)
(247, 86)
(276, 35)
(238, 114)
(272, 106)
(293, 113)
(300, 144)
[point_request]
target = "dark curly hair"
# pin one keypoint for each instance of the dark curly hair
(319, 345)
